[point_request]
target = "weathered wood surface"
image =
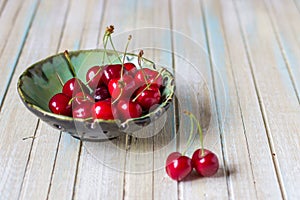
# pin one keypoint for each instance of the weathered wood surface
(236, 66)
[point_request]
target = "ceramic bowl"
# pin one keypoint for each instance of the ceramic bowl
(40, 82)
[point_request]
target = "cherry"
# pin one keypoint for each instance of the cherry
(128, 109)
(147, 76)
(83, 110)
(81, 98)
(101, 93)
(93, 77)
(111, 72)
(73, 86)
(102, 110)
(121, 88)
(206, 163)
(178, 166)
(148, 96)
(59, 104)
(130, 68)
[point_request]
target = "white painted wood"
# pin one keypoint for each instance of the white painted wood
(287, 32)
(43, 153)
(244, 135)
(2, 6)
(196, 80)
(15, 22)
(15, 151)
(9, 14)
(278, 100)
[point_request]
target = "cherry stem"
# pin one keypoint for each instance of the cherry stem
(71, 66)
(192, 116)
(190, 135)
(119, 96)
(105, 40)
(59, 79)
(125, 52)
(140, 58)
(112, 44)
(148, 85)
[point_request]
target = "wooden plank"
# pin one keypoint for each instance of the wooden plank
(193, 67)
(60, 183)
(15, 151)
(243, 151)
(85, 27)
(285, 25)
(101, 165)
(279, 107)
(8, 17)
(297, 4)
(15, 21)
(2, 6)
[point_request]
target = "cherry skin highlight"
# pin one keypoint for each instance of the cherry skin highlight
(74, 86)
(148, 97)
(93, 77)
(59, 104)
(207, 164)
(178, 166)
(151, 76)
(102, 110)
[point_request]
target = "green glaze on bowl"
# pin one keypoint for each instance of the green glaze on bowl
(40, 82)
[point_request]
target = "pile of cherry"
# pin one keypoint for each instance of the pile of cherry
(114, 91)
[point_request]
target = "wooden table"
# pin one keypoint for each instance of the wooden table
(240, 60)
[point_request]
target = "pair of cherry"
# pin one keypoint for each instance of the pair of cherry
(205, 162)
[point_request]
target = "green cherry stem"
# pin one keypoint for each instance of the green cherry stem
(71, 66)
(72, 69)
(121, 83)
(112, 44)
(105, 41)
(125, 52)
(59, 79)
(191, 134)
(192, 116)
(140, 58)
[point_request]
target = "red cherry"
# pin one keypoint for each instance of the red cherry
(150, 75)
(81, 98)
(130, 68)
(101, 93)
(59, 104)
(128, 109)
(73, 86)
(206, 165)
(149, 97)
(178, 166)
(128, 86)
(111, 72)
(102, 110)
(83, 110)
(93, 76)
